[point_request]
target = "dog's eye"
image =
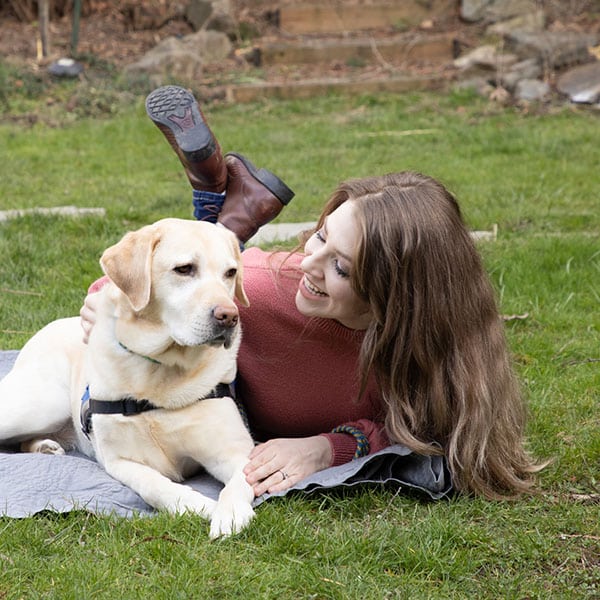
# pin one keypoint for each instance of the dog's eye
(231, 273)
(184, 269)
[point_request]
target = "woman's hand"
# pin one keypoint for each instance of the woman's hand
(88, 315)
(279, 464)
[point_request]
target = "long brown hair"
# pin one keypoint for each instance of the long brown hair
(436, 344)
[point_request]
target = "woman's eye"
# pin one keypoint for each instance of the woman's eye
(184, 269)
(339, 270)
(319, 236)
(231, 273)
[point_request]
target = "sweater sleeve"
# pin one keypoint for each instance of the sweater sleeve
(343, 445)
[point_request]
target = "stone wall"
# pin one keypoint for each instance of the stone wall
(524, 59)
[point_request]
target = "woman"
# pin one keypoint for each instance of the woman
(385, 330)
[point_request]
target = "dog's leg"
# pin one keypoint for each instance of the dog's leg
(159, 491)
(234, 508)
(223, 449)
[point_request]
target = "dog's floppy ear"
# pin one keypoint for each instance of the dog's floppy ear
(240, 293)
(129, 265)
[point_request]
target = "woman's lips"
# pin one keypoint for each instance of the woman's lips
(311, 288)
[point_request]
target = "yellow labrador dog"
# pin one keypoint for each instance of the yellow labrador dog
(143, 396)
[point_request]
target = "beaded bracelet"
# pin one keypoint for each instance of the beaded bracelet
(362, 442)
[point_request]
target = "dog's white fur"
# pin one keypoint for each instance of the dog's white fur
(156, 337)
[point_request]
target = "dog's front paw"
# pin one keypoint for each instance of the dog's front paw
(227, 520)
(196, 503)
(42, 447)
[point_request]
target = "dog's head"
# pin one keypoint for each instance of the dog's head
(182, 276)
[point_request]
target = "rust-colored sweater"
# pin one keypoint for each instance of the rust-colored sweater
(298, 376)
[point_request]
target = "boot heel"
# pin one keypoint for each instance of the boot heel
(275, 185)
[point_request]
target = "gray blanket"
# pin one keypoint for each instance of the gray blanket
(30, 483)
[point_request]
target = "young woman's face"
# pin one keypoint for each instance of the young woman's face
(325, 289)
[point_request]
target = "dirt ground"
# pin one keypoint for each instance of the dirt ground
(107, 36)
(106, 33)
(103, 34)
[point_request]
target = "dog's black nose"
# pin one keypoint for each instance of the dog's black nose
(226, 316)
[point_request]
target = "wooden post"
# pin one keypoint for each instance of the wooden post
(44, 18)
(75, 30)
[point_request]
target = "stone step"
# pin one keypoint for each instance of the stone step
(282, 232)
(404, 48)
(335, 16)
(319, 87)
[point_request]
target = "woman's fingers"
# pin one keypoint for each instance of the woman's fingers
(276, 482)
(280, 463)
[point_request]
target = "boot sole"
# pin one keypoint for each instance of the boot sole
(269, 180)
(176, 109)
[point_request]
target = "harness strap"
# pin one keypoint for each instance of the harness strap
(131, 406)
(125, 406)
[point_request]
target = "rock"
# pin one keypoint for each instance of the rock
(473, 57)
(224, 23)
(527, 51)
(212, 14)
(168, 60)
(182, 59)
(472, 10)
(555, 49)
(211, 46)
(500, 96)
(581, 84)
(65, 67)
(500, 10)
(525, 69)
(486, 56)
(151, 14)
(479, 84)
(530, 22)
(495, 10)
(531, 90)
(198, 12)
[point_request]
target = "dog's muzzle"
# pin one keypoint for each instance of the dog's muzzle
(222, 337)
(224, 322)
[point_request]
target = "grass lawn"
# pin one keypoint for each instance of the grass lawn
(534, 173)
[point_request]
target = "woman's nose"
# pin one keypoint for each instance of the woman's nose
(310, 262)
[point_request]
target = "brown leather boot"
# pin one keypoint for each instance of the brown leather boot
(254, 197)
(176, 113)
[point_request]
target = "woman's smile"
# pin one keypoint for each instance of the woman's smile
(312, 289)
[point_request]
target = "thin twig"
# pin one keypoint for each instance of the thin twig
(20, 292)
(13, 331)
(379, 56)
(570, 363)
(399, 132)
(564, 536)
(515, 317)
